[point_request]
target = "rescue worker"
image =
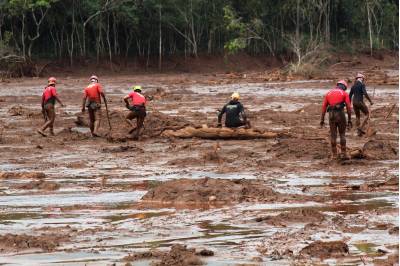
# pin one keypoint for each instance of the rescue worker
(358, 91)
(235, 115)
(49, 98)
(334, 102)
(92, 100)
(137, 109)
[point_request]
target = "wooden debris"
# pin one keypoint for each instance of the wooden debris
(220, 133)
(390, 111)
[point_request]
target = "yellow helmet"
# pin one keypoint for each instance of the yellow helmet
(235, 96)
(137, 88)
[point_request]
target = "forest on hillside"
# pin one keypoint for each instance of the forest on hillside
(116, 30)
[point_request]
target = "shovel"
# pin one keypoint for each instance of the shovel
(108, 116)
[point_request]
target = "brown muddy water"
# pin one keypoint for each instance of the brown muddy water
(87, 208)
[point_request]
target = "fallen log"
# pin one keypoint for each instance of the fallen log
(220, 133)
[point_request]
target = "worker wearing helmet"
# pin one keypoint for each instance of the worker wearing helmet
(92, 95)
(334, 102)
(49, 98)
(235, 115)
(358, 91)
(137, 108)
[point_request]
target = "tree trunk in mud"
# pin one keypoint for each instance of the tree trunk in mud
(220, 133)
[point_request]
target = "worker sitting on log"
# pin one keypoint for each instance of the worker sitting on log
(358, 91)
(235, 115)
(137, 110)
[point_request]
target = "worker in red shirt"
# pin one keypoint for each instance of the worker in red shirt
(49, 98)
(92, 100)
(334, 102)
(137, 108)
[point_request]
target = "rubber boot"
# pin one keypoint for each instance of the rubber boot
(132, 130)
(41, 132)
(136, 135)
(360, 132)
(334, 154)
(96, 128)
(358, 122)
(343, 154)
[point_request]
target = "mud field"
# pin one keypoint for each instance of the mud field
(76, 200)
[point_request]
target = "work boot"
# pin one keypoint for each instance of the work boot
(96, 128)
(344, 156)
(360, 132)
(358, 122)
(51, 132)
(343, 153)
(334, 155)
(41, 133)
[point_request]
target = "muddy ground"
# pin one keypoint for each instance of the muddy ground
(76, 200)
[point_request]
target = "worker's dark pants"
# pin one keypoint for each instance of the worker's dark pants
(238, 123)
(140, 115)
(235, 124)
(50, 117)
(358, 108)
(94, 119)
(337, 122)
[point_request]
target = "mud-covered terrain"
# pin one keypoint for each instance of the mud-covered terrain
(76, 200)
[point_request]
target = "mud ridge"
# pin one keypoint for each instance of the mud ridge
(179, 255)
(293, 216)
(155, 123)
(208, 190)
(121, 149)
(40, 184)
(13, 242)
(22, 175)
(323, 250)
(301, 148)
(380, 150)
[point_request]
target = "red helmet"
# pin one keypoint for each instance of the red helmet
(342, 82)
(359, 75)
(52, 81)
(94, 77)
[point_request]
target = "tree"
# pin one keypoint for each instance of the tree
(37, 9)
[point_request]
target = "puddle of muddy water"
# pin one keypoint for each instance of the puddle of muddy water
(66, 199)
(61, 258)
(270, 89)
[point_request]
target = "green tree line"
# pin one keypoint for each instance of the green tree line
(121, 29)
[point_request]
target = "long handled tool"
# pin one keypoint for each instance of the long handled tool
(44, 115)
(370, 131)
(108, 115)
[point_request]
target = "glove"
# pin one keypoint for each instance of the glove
(219, 125)
(322, 123)
(83, 109)
(349, 125)
(372, 103)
